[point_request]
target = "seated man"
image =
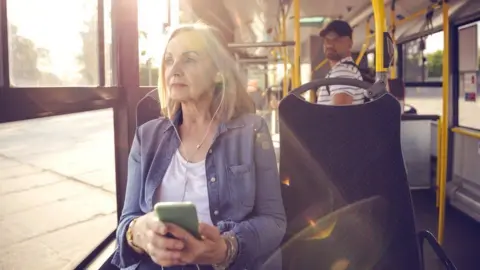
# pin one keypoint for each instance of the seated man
(337, 45)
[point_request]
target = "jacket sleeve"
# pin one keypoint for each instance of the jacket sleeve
(125, 257)
(261, 235)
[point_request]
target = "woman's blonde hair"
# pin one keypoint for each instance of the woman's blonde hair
(236, 100)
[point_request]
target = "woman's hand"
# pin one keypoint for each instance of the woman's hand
(212, 249)
(150, 235)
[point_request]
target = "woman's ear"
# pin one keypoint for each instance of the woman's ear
(219, 78)
(219, 81)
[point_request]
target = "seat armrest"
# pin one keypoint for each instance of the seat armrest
(432, 241)
(97, 253)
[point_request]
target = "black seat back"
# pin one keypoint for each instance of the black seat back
(397, 88)
(148, 108)
(345, 188)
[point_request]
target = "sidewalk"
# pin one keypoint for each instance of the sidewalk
(57, 189)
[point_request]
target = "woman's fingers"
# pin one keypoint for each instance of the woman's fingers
(177, 231)
(163, 257)
(209, 232)
(161, 242)
(164, 251)
(155, 225)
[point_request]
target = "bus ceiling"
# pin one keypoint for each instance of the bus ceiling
(260, 21)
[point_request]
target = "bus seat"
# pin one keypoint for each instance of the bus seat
(345, 189)
(148, 108)
(397, 89)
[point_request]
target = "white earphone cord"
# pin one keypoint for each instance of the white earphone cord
(199, 145)
(188, 160)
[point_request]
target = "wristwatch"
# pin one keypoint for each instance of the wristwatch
(129, 237)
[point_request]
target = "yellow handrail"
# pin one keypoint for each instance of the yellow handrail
(417, 14)
(297, 52)
(466, 132)
(283, 34)
(445, 123)
(365, 44)
(379, 18)
(320, 65)
(393, 26)
(275, 55)
(439, 163)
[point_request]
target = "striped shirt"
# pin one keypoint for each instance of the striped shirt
(342, 70)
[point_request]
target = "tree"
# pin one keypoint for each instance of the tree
(148, 73)
(413, 68)
(24, 61)
(435, 63)
(88, 59)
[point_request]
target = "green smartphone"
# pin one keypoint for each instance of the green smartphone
(182, 214)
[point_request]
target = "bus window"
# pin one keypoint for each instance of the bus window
(68, 58)
(423, 59)
(469, 92)
(423, 63)
(371, 60)
(151, 37)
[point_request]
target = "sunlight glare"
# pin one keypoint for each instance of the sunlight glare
(55, 25)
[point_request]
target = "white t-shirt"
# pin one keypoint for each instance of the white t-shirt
(177, 187)
(342, 70)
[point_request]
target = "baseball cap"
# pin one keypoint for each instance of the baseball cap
(341, 28)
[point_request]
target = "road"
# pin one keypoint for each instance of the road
(57, 189)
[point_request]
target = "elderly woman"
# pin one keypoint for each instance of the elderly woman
(211, 150)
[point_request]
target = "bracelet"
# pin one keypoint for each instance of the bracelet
(130, 238)
(232, 250)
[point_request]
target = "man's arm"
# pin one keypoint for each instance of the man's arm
(345, 94)
(342, 99)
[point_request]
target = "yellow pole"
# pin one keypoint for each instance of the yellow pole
(380, 27)
(283, 34)
(320, 65)
(393, 68)
(439, 163)
(365, 44)
(276, 53)
(274, 74)
(445, 124)
(296, 31)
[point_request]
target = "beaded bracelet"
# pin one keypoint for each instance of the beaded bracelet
(232, 251)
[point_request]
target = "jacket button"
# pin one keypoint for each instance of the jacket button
(213, 179)
(210, 151)
(216, 212)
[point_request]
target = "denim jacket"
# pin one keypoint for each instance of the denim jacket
(243, 187)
